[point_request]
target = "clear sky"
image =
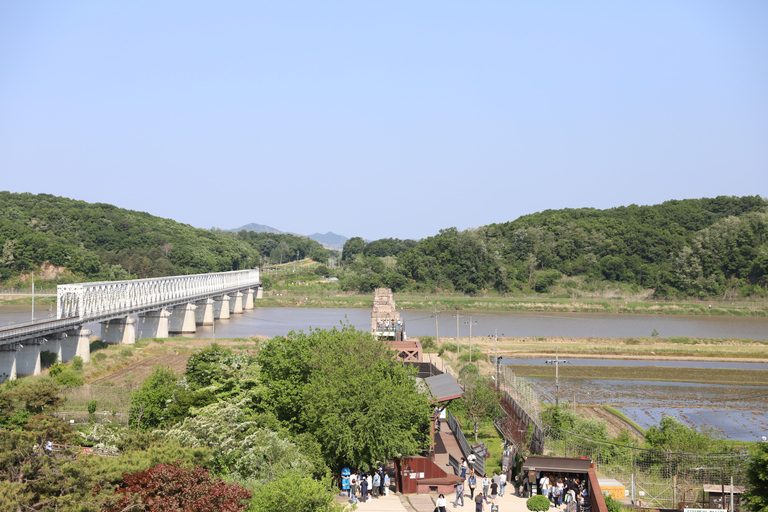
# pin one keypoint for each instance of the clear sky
(382, 119)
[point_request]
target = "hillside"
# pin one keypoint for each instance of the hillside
(102, 242)
(257, 228)
(693, 248)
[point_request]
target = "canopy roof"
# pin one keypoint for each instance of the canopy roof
(443, 387)
(560, 464)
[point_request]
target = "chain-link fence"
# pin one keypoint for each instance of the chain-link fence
(653, 478)
(112, 403)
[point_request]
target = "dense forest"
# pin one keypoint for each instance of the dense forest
(103, 242)
(684, 248)
(692, 248)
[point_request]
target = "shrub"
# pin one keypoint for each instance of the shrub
(126, 352)
(427, 342)
(92, 410)
(612, 504)
(99, 357)
(68, 378)
(538, 503)
(56, 369)
(77, 363)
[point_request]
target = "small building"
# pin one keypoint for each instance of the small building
(715, 496)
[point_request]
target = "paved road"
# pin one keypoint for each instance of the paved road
(426, 503)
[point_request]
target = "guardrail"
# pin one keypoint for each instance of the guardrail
(466, 449)
(92, 301)
(453, 463)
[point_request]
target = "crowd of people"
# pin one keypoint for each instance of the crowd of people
(564, 490)
(369, 485)
(491, 489)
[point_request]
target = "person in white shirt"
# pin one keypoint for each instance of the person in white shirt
(441, 503)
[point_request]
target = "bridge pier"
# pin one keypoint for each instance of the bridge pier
(8, 361)
(52, 344)
(260, 292)
(28, 358)
(154, 324)
(68, 347)
(236, 303)
(204, 312)
(221, 307)
(248, 299)
(119, 330)
(182, 319)
(81, 339)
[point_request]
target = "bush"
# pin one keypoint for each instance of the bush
(427, 342)
(126, 352)
(612, 504)
(56, 369)
(538, 503)
(77, 363)
(68, 378)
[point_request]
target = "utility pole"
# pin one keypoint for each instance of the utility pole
(437, 330)
(33, 296)
(557, 362)
(458, 342)
(470, 336)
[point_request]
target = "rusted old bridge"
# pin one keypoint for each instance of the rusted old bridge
(164, 305)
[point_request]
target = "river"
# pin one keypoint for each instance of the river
(735, 412)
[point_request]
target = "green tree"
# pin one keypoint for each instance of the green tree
(345, 388)
(149, 403)
(757, 476)
(480, 400)
(293, 491)
(671, 435)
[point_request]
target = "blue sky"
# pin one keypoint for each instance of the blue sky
(382, 119)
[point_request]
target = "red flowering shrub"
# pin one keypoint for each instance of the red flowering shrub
(173, 488)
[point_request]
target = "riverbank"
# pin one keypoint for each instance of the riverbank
(660, 349)
(313, 298)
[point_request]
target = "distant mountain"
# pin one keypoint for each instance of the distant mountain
(330, 240)
(258, 228)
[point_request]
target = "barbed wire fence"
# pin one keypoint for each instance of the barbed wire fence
(652, 478)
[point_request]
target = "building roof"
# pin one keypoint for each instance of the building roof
(563, 464)
(443, 387)
(737, 489)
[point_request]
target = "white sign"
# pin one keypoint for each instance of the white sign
(702, 510)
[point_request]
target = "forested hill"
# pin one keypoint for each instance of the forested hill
(103, 242)
(693, 247)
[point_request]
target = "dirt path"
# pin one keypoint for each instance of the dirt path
(135, 373)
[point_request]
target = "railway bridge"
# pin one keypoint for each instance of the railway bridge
(164, 305)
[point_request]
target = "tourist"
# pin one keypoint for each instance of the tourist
(353, 491)
(376, 484)
(471, 459)
(479, 503)
(463, 469)
(363, 490)
(369, 481)
(486, 484)
(387, 483)
(382, 485)
(494, 491)
(502, 483)
(440, 503)
(472, 484)
(459, 494)
(544, 485)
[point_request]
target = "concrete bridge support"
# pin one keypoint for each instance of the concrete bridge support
(221, 307)
(154, 324)
(260, 292)
(81, 339)
(52, 344)
(28, 358)
(236, 303)
(182, 319)
(119, 330)
(248, 299)
(8, 361)
(204, 312)
(68, 347)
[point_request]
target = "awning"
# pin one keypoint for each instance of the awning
(559, 464)
(443, 387)
(737, 489)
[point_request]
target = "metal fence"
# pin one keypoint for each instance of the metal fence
(466, 449)
(652, 478)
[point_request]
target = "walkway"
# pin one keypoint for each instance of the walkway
(426, 503)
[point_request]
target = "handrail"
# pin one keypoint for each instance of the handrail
(453, 424)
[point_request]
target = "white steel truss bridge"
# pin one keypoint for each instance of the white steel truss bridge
(113, 302)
